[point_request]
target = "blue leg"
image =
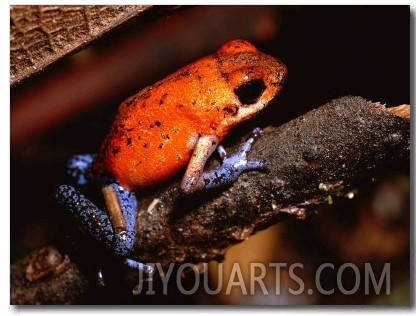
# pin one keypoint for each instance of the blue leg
(96, 222)
(114, 227)
(232, 167)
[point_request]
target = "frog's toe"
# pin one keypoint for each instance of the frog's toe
(78, 167)
(148, 269)
(232, 167)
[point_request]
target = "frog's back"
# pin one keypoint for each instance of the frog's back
(147, 143)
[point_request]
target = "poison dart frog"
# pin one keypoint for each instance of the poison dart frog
(178, 122)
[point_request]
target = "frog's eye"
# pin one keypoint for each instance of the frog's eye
(250, 91)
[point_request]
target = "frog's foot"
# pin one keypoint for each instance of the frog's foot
(233, 166)
(78, 167)
(148, 269)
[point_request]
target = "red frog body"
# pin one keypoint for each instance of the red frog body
(156, 131)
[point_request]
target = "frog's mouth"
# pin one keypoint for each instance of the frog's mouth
(245, 112)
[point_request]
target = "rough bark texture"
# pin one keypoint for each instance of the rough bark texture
(40, 35)
(323, 153)
(312, 159)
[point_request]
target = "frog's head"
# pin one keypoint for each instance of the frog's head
(254, 78)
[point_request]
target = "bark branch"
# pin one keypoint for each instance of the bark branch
(313, 158)
(316, 157)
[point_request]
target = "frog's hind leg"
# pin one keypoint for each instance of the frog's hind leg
(98, 223)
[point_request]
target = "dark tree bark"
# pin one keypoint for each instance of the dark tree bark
(319, 156)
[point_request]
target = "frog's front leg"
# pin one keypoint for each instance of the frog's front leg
(231, 167)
